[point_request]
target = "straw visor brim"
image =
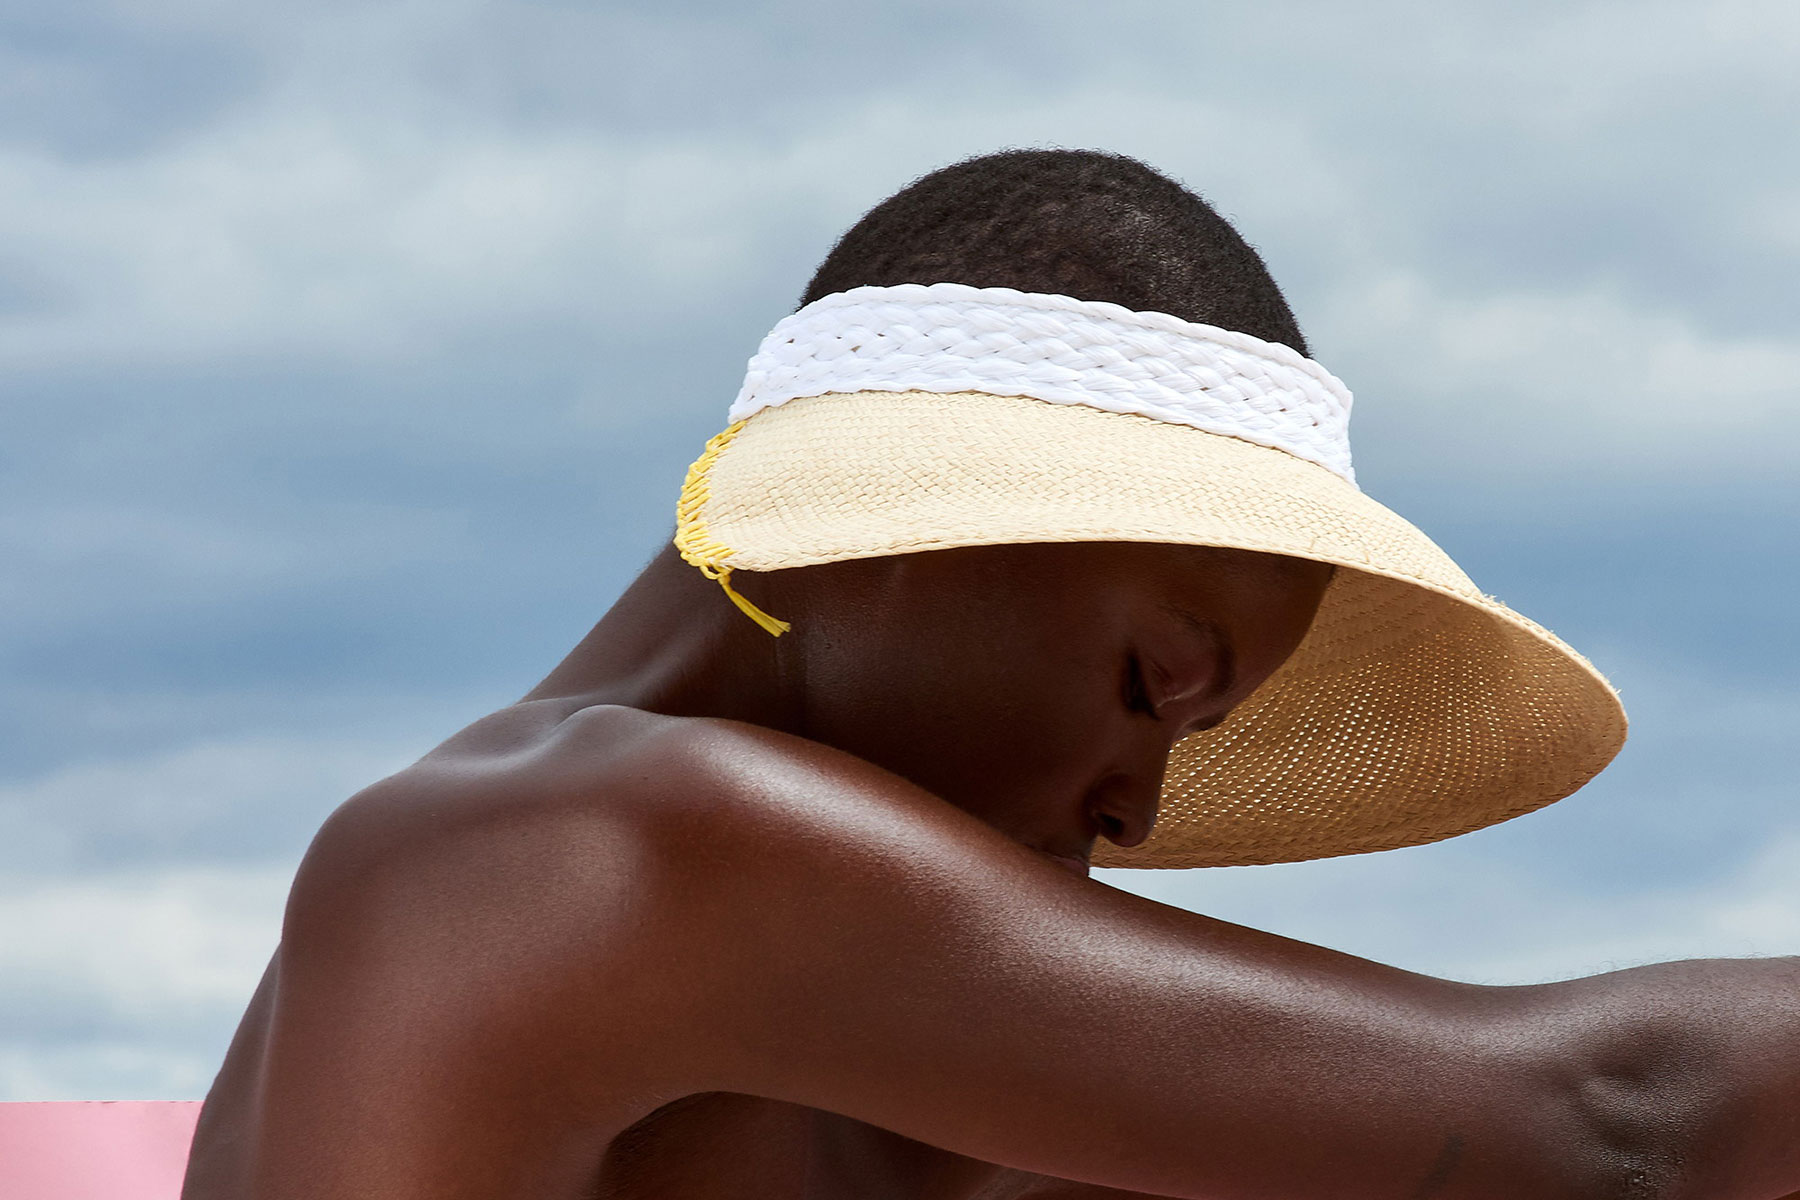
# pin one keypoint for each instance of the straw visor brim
(1415, 709)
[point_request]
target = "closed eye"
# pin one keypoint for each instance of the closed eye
(1137, 696)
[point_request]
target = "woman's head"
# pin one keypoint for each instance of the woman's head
(973, 473)
(1079, 223)
(1039, 686)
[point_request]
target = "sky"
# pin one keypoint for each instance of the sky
(351, 355)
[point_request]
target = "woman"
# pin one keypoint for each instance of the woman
(786, 895)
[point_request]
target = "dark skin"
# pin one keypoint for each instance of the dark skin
(710, 914)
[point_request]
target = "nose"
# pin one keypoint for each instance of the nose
(1123, 807)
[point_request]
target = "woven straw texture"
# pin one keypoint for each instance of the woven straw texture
(1416, 708)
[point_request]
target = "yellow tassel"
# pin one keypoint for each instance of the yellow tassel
(701, 550)
(772, 624)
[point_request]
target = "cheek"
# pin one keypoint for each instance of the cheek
(989, 727)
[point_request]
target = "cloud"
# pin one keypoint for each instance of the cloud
(209, 803)
(297, 225)
(92, 85)
(1527, 386)
(183, 559)
(128, 986)
(284, 230)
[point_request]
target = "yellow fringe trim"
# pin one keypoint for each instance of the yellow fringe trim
(697, 546)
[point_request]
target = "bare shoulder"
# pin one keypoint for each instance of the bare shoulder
(542, 798)
(491, 961)
(606, 847)
(661, 882)
(543, 809)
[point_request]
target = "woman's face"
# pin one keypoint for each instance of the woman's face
(1040, 687)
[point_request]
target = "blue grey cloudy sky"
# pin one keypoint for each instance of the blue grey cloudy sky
(351, 354)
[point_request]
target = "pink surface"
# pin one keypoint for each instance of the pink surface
(95, 1149)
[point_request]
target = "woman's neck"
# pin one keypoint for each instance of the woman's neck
(674, 644)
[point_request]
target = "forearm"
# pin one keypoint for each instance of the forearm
(1693, 1070)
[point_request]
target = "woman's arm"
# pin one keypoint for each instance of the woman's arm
(871, 951)
(483, 977)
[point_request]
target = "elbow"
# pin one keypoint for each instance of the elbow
(1632, 1118)
(1624, 1145)
(1658, 1083)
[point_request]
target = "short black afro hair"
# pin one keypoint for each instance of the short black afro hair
(1081, 223)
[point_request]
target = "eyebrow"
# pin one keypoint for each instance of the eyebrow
(1214, 636)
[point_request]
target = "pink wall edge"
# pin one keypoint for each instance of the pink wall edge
(95, 1149)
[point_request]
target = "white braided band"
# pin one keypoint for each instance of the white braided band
(948, 337)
